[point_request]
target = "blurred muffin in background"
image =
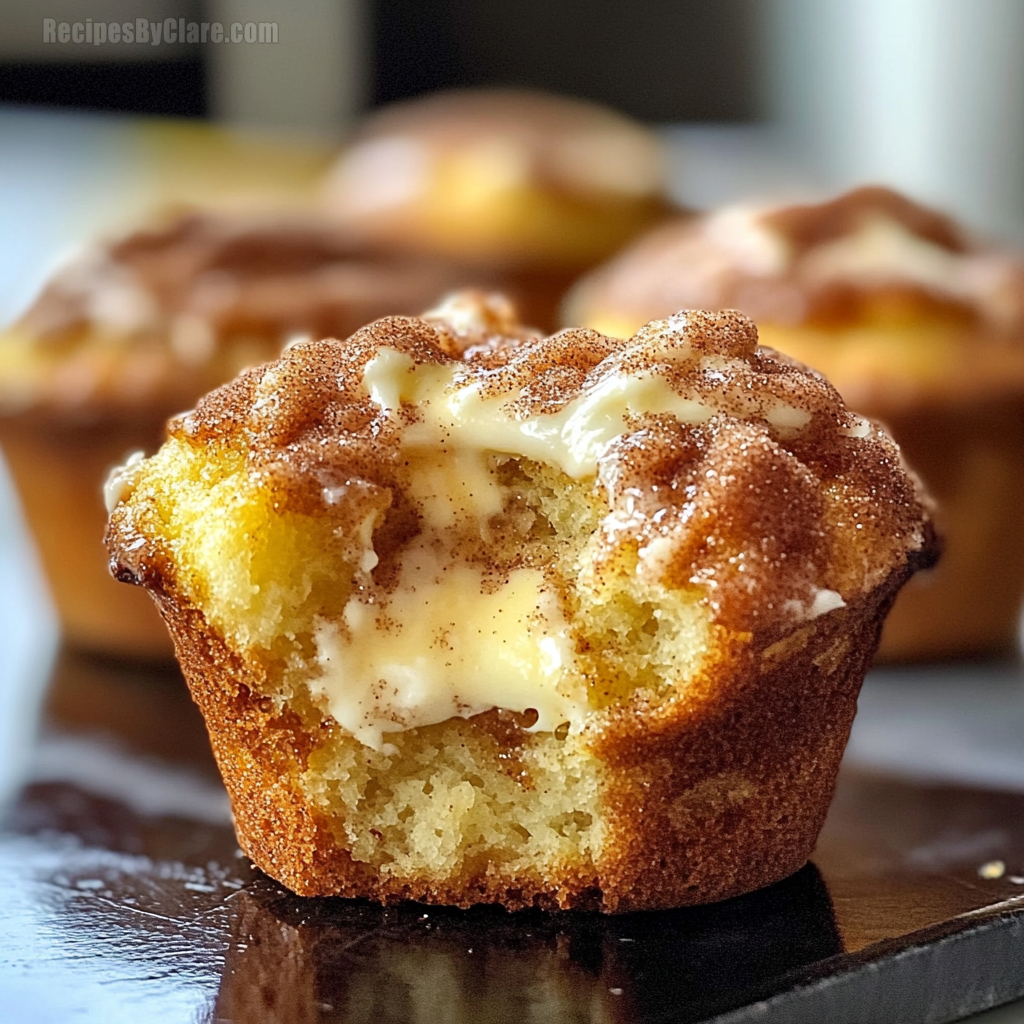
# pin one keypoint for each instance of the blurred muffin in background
(916, 323)
(132, 331)
(534, 187)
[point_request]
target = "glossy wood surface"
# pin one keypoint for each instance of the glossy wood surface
(126, 899)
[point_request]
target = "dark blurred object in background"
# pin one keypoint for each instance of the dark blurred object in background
(174, 88)
(169, 79)
(659, 60)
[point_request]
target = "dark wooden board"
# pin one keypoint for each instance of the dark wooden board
(124, 898)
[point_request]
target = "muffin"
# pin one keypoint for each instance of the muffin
(916, 323)
(535, 187)
(479, 616)
(132, 331)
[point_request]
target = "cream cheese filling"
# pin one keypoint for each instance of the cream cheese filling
(440, 647)
(441, 644)
(572, 439)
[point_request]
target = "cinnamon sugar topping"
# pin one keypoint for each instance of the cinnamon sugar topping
(725, 469)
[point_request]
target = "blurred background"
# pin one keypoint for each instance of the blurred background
(749, 98)
(924, 94)
(756, 96)
(659, 60)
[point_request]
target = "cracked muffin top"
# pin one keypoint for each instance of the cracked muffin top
(719, 467)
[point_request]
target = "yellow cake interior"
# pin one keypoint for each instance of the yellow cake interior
(448, 797)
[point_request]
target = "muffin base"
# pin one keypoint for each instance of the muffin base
(58, 471)
(718, 792)
(971, 459)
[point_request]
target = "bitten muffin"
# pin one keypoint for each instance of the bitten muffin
(132, 331)
(917, 324)
(563, 622)
(537, 188)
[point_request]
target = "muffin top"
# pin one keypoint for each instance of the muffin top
(148, 322)
(820, 277)
(720, 468)
(503, 177)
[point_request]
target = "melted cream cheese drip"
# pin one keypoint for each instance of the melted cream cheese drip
(572, 439)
